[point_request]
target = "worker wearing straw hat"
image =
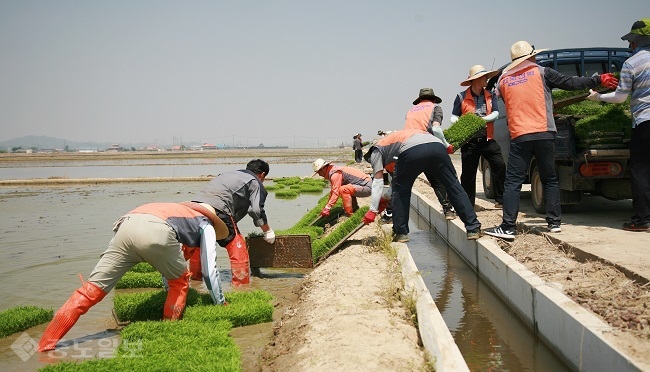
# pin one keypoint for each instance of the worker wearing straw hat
(161, 234)
(526, 88)
(479, 101)
(346, 182)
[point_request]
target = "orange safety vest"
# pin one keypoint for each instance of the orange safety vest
(419, 116)
(389, 146)
(469, 106)
(529, 110)
(340, 176)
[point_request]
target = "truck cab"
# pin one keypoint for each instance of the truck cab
(611, 178)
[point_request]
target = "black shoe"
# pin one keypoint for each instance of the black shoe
(401, 238)
(554, 228)
(499, 232)
(450, 214)
(474, 234)
(632, 226)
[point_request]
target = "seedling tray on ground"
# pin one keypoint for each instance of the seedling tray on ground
(288, 251)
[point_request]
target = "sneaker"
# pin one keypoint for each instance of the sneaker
(450, 214)
(474, 234)
(499, 232)
(632, 226)
(498, 205)
(401, 238)
(387, 218)
(554, 228)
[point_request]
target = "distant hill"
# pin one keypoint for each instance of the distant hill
(45, 142)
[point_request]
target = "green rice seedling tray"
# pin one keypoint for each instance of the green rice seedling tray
(463, 130)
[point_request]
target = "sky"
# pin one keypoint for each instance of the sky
(279, 73)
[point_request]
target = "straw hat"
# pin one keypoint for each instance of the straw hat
(476, 72)
(640, 33)
(521, 51)
(318, 164)
(207, 210)
(427, 93)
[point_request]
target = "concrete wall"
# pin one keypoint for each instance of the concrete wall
(574, 334)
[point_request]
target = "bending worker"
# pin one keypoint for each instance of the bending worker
(346, 182)
(426, 116)
(233, 195)
(478, 100)
(416, 152)
(150, 233)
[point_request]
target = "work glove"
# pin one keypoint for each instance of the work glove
(369, 217)
(608, 81)
(325, 212)
(269, 236)
(450, 149)
(593, 95)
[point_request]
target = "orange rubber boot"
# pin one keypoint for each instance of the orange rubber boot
(78, 304)
(176, 297)
(239, 262)
(346, 194)
(195, 264)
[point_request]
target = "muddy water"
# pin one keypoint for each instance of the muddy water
(489, 335)
(49, 235)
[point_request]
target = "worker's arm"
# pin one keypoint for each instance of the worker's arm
(209, 264)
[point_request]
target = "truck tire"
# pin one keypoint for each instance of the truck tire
(488, 188)
(537, 191)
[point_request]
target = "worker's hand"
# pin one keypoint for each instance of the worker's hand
(269, 236)
(325, 212)
(608, 81)
(369, 217)
(450, 149)
(593, 95)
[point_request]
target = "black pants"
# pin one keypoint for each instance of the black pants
(358, 156)
(640, 171)
(471, 154)
(519, 158)
(432, 160)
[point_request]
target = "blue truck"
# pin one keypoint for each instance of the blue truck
(592, 170)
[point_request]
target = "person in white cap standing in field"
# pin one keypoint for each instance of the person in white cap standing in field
(526, 90)
(479, 101)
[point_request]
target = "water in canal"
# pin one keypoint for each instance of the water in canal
(489, 335)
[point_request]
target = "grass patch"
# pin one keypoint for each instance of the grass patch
(20, 318)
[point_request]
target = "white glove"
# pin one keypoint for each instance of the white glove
(453, 119)
(593, 96)
(437, 131)
(492, 117)
(269, 236)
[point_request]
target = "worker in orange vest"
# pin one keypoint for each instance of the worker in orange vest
(346, 182)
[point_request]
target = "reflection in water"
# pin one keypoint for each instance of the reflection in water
(49, 235)
(489, 335)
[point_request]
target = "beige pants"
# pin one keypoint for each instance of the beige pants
(139, 238)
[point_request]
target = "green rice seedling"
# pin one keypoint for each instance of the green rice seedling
(287, 180)
(274, 187)
(140, 280)
(314, 232)
(148, 305)
(321, 246)
(143, 267)
(461, 131)
(310, 188)
(167, 346)
(294, 186)
(286, 194)
(244, 308)
(20, 318)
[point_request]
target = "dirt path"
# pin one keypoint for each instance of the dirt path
(347, 317)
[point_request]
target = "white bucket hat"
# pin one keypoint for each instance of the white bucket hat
(521, 51)
(476, 72)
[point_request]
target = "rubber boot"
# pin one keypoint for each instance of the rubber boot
(78, 304)
(195, 265)
(346, 195)
(176, 297)
(239, 262)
